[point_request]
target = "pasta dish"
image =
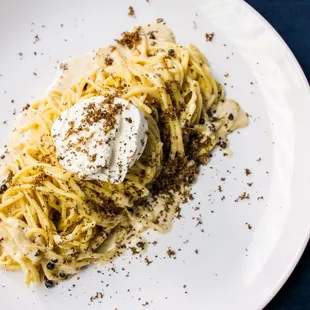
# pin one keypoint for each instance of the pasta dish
(112, 150)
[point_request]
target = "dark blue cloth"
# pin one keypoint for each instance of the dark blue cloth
(291, 18)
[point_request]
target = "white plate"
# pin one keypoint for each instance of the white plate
(235, 268)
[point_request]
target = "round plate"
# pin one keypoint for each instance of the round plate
(229, 255)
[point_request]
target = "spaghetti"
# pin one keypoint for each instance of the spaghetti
(51, 222)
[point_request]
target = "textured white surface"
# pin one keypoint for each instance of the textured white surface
(235, 268)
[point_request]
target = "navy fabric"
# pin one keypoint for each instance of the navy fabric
(291, 18)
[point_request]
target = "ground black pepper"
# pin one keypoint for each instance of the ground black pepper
(50, 266)
(222, 144)
(36, 39)
(49, 284)
(212, 128)
(171, 52)
(140, 244)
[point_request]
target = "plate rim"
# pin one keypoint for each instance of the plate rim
(304, 79)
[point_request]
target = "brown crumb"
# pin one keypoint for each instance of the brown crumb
(26, 107)
(247, 171)
(108, 61)
(134, 250)
(131, 11)
(64, 66)
(97, 296)
(243, 196)
(209, 36)
(170, 253)
(130, 39)
(226, 74)
(249, 226)
(223, 198)
(250, 184)
(93, 157)
(219, 188)
(148, 262)
(260, 198)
